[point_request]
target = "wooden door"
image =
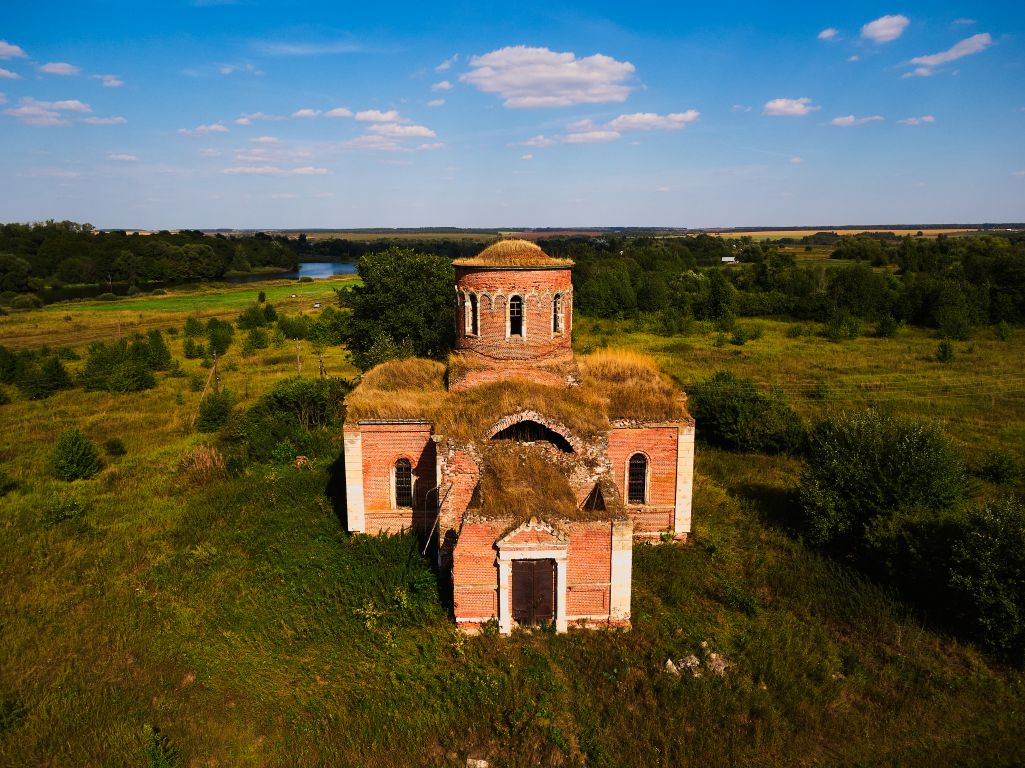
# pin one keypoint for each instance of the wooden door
(533, 591)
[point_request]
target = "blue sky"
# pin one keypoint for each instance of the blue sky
(258, 114)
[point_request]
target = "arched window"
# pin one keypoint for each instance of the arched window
(637, 482)
(557, 313)
(472, 324)
(403, 483)
(516, 316)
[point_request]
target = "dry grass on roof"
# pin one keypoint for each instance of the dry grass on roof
(521, 482)
(398, 389)
(513, 253)
(633, 386)
(469, 414)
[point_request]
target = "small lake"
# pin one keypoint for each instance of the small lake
(315, 270)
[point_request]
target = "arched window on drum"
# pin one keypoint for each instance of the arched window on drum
(637, 480)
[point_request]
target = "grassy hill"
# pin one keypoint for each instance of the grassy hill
(164, 613)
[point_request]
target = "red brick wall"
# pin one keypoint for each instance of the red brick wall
(537, 287)
(659, 444)
(383, 445)
(474, 573)
(589, 569)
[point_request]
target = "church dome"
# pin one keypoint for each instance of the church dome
(513, 253)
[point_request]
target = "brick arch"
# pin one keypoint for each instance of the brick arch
(517, 418)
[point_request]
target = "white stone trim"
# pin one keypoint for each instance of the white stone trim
(684, 479)
(647, 480)
(557, 550)
(355, 509)
(622, 570)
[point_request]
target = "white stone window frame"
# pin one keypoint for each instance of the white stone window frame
(558, 314)
(523, 316)
(471, 314)
(393, 496)
(647, 480)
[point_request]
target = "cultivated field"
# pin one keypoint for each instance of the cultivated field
(235, 617)
(775, 234)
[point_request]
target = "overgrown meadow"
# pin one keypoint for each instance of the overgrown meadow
(167, 611)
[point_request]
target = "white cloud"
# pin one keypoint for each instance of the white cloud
(11, 51)
(284, 48)
(854, 57)
(109, 81)
(396, 131)
(436, 103)
(122, 157)
(377, 116)
(59, 68)
(1019, 174)
(47, 113)
(116, 120)
(968, 46)
(338, 112)
(210, 153)
(274, 170)
(266, 140)
(373, 142)
(527, 156)
(431, 145)
(538, 77)
(795, 160)
(650, 121)
(306, 114)
(917, 120)
(885, 29)
(849, 120)
(203, 130)
(444, 85)
(789, 107)
(740, 108)
(965, 22)
(539, 141)
(447, 63)
(590, 137)
(663, 189)
(71, 105)
(829, 33)
(6, 74)
(248, 119)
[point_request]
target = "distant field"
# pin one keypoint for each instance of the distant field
(772, 234)
(402, 235)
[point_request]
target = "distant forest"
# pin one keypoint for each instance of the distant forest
(952, 283)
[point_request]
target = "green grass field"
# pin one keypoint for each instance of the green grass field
(237, 618)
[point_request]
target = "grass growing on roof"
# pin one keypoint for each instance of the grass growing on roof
(398, 389)
(523, 482)
(513, 253)
(634, 386)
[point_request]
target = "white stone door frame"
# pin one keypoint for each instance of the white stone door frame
(506, 556)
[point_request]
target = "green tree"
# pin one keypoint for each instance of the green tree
(14, 273)
(405, 296)
(864, 468)
(721, 303)
(74, 457)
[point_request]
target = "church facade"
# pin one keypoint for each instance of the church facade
(531, 471)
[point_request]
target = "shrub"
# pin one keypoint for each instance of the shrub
(869, 465)
(305, 279)
(6, 484)
(251, 317)
(120, 366)
(269, 313)
(887, 327)
(61, 509)
(843, 326)
(262, 297)
(255, 339)
(945, 351)
(987, 578)
(194, 327)
(732, 413)
(27, 301)
(740, 336)
(40, 377)
(4, 397)
(1002, 330)
(106, 297)
(219, 334)
(1001, 468)
(214, 410)
(114, 446)
(74, 457)
(157, 354)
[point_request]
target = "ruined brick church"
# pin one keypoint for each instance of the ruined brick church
(531, 471)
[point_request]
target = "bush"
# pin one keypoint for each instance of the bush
(843, 326)
(123, 367)
(987, 578)
(219, 334)
(4, 397)
(114, 446)
(870, 465)
(106, 297)
(732, 413)
(262, 297)
(1001, 468)
(887, 327)
(214, 410)
(194, 327)
(255, 339)
(945, 351)
(27, 301)
(74, 457)
(251, 317)
(38, 375)
(1002, 330)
